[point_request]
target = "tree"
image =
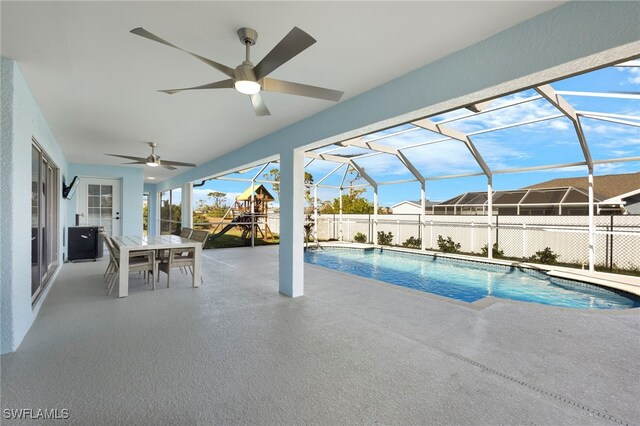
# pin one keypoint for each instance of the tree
(353, 203)
(274, 177)
(326, 207)
(145, 217)
(219, 198)
(219, 207)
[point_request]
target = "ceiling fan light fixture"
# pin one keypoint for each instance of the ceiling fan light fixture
(247, 87)
(152, 164)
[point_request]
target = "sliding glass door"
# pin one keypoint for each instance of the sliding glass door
(45, 192)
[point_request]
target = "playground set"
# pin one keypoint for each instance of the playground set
(243, 215)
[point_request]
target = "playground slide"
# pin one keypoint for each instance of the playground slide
(237, 221)
(224, 230)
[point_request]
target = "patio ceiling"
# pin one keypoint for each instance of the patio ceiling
(97, 84)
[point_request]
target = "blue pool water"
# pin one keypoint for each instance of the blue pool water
(468, 281)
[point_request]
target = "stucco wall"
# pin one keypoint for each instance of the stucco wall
(22, 120)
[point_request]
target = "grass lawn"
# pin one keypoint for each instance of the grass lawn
(233, 239)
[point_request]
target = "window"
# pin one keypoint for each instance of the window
(45, 193)
(171, 212)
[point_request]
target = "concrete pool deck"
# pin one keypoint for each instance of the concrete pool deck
(351, 351)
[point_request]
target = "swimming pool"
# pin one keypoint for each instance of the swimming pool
(468, 281)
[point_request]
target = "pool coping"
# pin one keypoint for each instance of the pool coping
(625, 283)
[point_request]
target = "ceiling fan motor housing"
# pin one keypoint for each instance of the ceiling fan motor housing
(244, 72)
(248, 36)
(153, 159)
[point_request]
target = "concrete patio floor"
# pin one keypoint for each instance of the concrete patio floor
(351, 351)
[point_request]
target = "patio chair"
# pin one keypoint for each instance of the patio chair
(186, 232)
(107, 240)
(200, 236)
(178, 258)
(139, 261)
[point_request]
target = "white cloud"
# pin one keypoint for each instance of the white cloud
(559, 124)
(634, 75)
(515, 114)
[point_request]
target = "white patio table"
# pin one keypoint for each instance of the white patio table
(127, 244)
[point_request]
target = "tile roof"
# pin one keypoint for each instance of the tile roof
(607, 186)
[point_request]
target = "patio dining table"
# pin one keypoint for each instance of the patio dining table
(126, 244)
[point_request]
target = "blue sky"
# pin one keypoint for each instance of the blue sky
(542, 143)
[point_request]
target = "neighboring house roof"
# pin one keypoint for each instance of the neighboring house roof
(260, 190)
(542, 196)
(622, 197)
(608, 186)
(415, 203)
(607, 189)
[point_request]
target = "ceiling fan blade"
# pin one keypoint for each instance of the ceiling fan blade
(146, 34)
(166, 166)
(137, 162)
(223, 84)
(128, 157)
(259, 105)
(281, 86)
(176, 163)
(291, 45)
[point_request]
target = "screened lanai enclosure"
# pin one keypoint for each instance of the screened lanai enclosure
(477, 174)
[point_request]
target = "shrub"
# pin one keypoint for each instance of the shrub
(448, 245)
(360, 238)
(308, 228)
(497, 253)
(546, 256)
(412, 242)
(385, 239)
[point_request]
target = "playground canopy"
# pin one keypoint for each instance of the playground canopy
(260, 192)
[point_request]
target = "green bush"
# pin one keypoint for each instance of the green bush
(546, 256)
(497, 253)
(448, 245)
(360, 237)
(385, 239)
(412, 242)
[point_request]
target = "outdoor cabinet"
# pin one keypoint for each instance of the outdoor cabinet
(84, 243)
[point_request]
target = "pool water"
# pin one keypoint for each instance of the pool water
(467, 280)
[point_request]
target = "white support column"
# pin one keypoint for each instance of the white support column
(490, 217)
(374, 237)
(423, 218)
(291, 261)
(253, 214)
(187, 206)
(341, 223)
(315, 213)
(592, 228)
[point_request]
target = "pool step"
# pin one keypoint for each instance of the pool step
(629, 288)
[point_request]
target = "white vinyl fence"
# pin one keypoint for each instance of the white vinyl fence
(617, 237)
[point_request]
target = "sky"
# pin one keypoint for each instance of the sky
(543, 143)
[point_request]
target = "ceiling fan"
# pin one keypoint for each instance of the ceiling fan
(153, 160)
(252, 79)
